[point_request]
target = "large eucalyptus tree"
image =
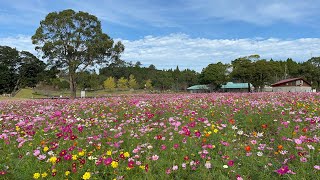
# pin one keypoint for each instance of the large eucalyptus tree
(74, 41)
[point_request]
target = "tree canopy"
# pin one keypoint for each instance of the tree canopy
(74, 41)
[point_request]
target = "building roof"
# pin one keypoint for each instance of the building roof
(231, 85)
(289, 80)
(197, 87)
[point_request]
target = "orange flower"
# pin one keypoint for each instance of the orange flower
(280, 147)
(247, 148)
(264, 126)
(204, 140)
(207, 134)
(232, 121)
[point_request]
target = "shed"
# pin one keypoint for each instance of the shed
(198, 89)
(236, 87)
(292, 85)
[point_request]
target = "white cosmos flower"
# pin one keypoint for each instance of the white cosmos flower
(259, 153)
(240, 132)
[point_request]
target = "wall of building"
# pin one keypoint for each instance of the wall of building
(293, 83)
(291, 89)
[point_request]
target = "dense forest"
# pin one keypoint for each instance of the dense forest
(22, 69)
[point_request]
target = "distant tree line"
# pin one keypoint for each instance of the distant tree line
(261, 72)
(20, 69)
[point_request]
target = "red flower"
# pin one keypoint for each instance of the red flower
(247, 148)
(54, 174)
(59, 135)
(197, 134)
(62, 153)
(231, 163)
(159, 137)
(74, 169)
(146, 167)
(73, 137)
(131, 164)
(186, 158)
(82, 161)
(3, 172)
(122, 156)
(264, 126)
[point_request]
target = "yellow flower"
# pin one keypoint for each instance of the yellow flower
(67, 173)
(114, 164)
(36, 175)
(17, 128)
(126, 154)
(74, 157)
(45, 149)
(54, 170)
(43, 175)
(142, 167)
(86, 175)
(53, 159)
(109, 153)
(81, 153)
(215, 130)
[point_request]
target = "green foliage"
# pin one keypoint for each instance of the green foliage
(122, 83)
(73, 41)
(87, 80)
(214, 74)
(132, 82)
(31, 71)
(109, 84)
(19, 69)
(148, 84)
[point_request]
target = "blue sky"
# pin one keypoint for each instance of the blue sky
(187, 33)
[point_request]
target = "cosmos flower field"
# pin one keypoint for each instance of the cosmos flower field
(172, 136)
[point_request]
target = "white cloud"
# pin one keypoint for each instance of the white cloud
(20, 42)
(196, 53)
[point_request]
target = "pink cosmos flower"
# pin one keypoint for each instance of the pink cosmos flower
(297, 141)
(67, 157)
(317, 167)
(253, 142)
(168, 171)
(42, 157)
(208, 165)
(36, 152)
(175, 167)
(303, 159)
(176, 146)
(184, 165)
(155, 157)
(107, 161)
(57, 113)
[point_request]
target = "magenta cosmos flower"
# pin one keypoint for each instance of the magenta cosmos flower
(283, 170)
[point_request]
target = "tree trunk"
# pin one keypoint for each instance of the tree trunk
(72, 84)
